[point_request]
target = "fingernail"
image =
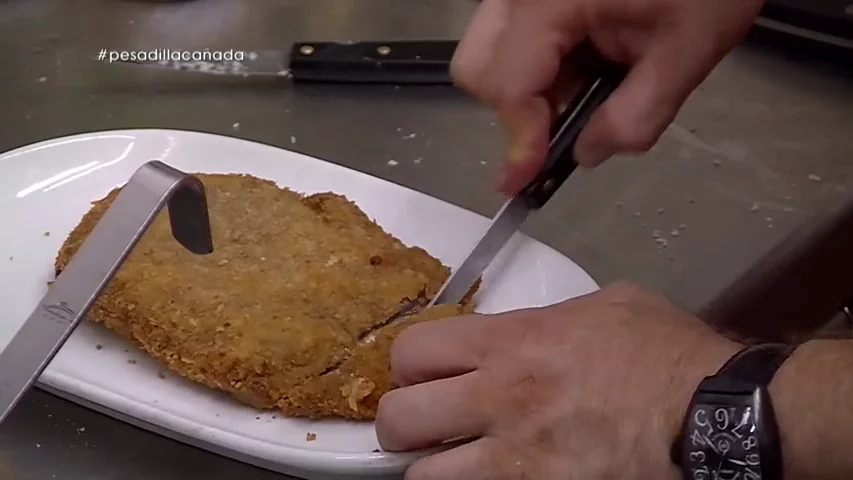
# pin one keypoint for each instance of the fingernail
(517, 150)
(593, 156)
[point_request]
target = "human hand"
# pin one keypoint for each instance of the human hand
(594, 387)
(514, 57)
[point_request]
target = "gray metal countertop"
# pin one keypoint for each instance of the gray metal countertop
(764, 143)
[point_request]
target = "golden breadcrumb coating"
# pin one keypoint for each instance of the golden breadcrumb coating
(284, 312)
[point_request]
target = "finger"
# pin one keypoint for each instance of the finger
(438, 349)
(516, 175)
(478, 460)
(639, 111)
(475, 50)
(427, 414)
(517, 83)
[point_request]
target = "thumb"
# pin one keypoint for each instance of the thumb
(639, 111)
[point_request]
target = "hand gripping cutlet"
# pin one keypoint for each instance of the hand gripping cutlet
(99, 257)
(283, 313)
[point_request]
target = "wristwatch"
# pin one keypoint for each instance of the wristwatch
(729, 430)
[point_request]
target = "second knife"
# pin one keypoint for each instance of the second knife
(398, 62)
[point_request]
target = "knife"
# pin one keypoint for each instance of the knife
(400, 62)
(559, 164)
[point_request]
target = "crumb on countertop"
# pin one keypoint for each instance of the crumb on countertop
(310, 437)
(99, 347)
(131, 361)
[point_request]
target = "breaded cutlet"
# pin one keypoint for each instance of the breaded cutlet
(295, 309)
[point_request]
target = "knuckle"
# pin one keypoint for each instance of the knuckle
(530, 328)
(630, 136)
(474, 79)
(637, 139)
(463, 75)
(522, 393)
(623, 290)
(515, 328)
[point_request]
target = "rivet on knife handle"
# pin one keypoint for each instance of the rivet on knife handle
(560, 161)
(397, 62)
(75, 290)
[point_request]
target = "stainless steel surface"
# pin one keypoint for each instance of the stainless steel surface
(93, 266)
(760, 147)
(804, 33)
(239, 63)
(506, 222)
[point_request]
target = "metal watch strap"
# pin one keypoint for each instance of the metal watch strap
(756, 364)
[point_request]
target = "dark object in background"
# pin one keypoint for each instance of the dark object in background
(807, 280)
(808, 30)
(827, 21)
(423, 62)
(796, 288)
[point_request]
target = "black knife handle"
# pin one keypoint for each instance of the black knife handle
(560, 161)
(401, 62)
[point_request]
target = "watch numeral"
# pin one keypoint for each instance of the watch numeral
(752, 459)
(701, 419)
(698, 440)
(722, 417)
(751, 475)
(750, 443)
(701, 474)
(697, 456)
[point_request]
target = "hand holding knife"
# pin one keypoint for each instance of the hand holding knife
(559, 165)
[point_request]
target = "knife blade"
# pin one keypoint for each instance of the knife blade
(399, 62)
(559, 165)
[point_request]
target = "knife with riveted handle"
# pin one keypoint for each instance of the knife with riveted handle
(397, 62)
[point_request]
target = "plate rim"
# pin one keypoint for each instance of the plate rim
(325, 461)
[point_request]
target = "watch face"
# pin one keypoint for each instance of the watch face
(721, 443)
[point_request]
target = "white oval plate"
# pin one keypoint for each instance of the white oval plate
(47, 187)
